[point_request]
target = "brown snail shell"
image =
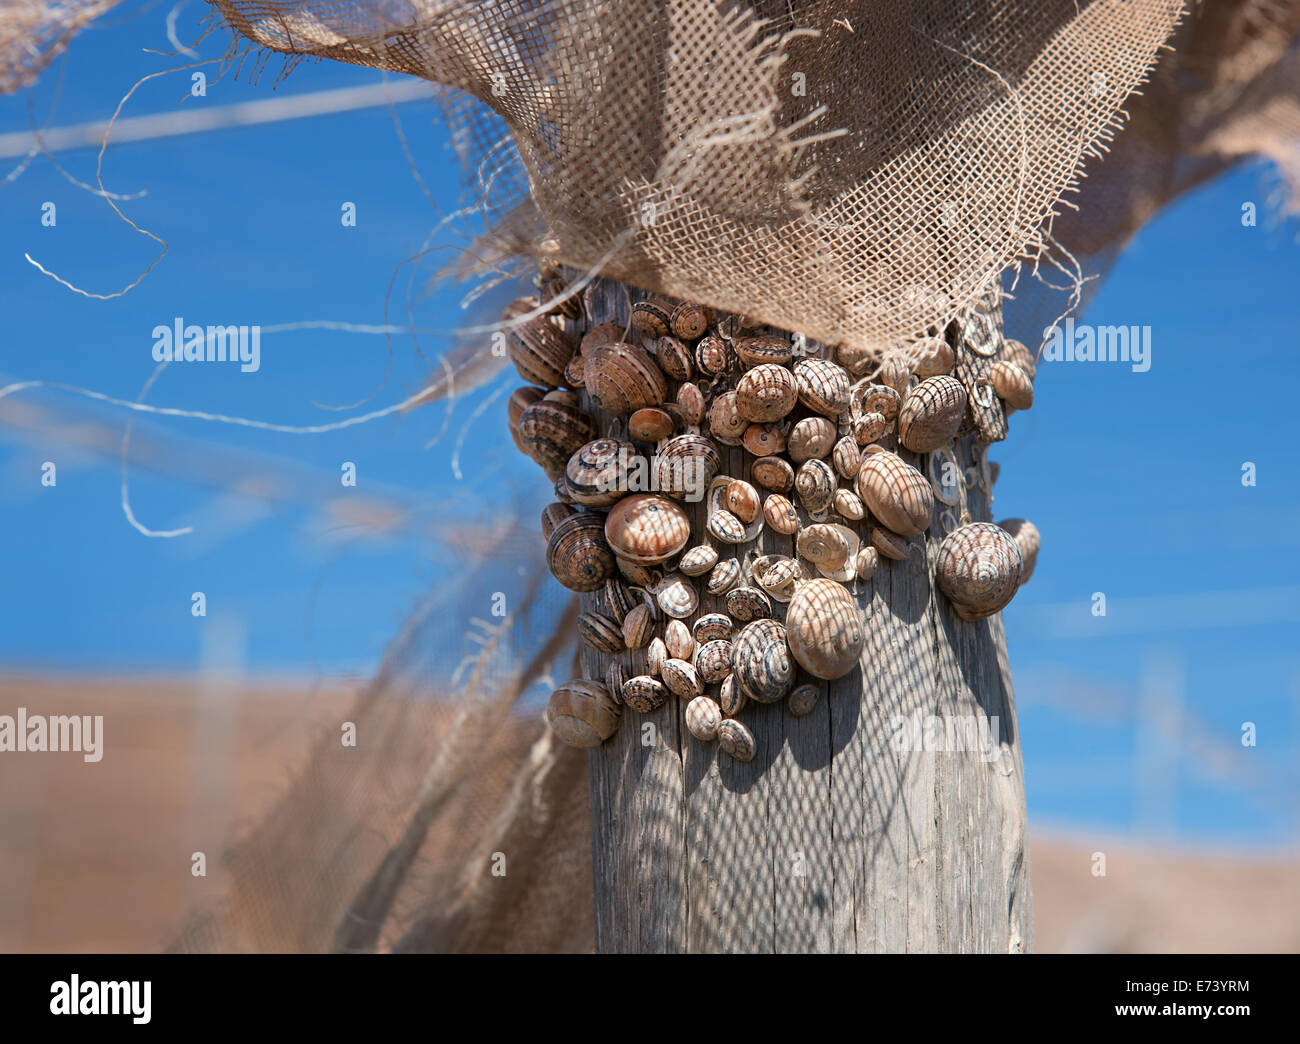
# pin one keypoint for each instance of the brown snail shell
(582, 713)
(823, 386)
(703, 717)
(869, 427)
(684, 466)
(640, 575)
(1027, 539)
(615, 679)
(868, 561)
(638, 627)
(574, 372)
(677, 637)
(742, 500)
(896, 493)
(890, 544)
(644, 693)
(867, 397)
(553, 515)
(803, 699)
(763, 350)
(832, 548)
(647, 529)
(931, 414)
(1018, 355)
(550, 432)
(1013, 385)
(681, 679)
(577, 553)
(651, 317)
(600, 632)
(556, 287)
(674, 358)
(847, 457)
(730, 697)
(618, 599)
(540, 350)
(811, 438)
(520, 399)
(698, 560)
(690, 400)
(761, 662)
(721, 523)
(713, 660)
(896, 373)
(857, 359)
(603, 333)
(979, 568)
(736, 740)
(848, 505)
(815, 483)
(726, 424)
(764, 440)
(689, 321)
(596, 474)
(777, 575)
(563, 396)
(725, 576)
(713, 627)
(622, 378)
(774, 473)
(651, 424)
(824, 629)
(933, 357)
(780, 514)
(714, 357)
(748, 603)
(676, 596)
(656, 653)
(766, 393)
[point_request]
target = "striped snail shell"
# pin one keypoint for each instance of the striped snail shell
(1013, 385)
(603, 333)
(811, 438)
(824, 630)
(675, 595)
(890, 544)
(730, 697)
(933, 357)
(748, 603)
(690, 400)
(570, 307)
(774, 473)
(520, 399)
(713, 660)
(600, 632)
(618, 599)
(742, 500)
(550, 432)
(644, 693)
(674, 358)
(931, 414)
(634, 573)
(698, 560)
(855, 359)
(896, 493)
(714, 357)
(721, 523)
(758, 351)
(823, 386)
(896, 373)
(832, 548)
(684, 465)
(647, 529)
(777, 575)
(564, 396)
(979, 568)
(651, 317)
(575, 372)
(703, 717)
(713, 627)
(539, 349)
(577, 553)
(651, 424)
(764, 440)
(868, 561)
(677, 636)
(847, 457)
(638, 626)
(868, 397)
(725, 576)
(815, 483)
(689, 321)
(761, 662)
(553, 515)
(780, 514)
(1027, 538)
(869, 428)
(622, 378)
(656, 654)
(681, 679)
(766, 393)
(615, 679)
(736, 740)
(803, 699)
(848, 504)
(582, 713)
(1018, 355)
(725, 421)
(596, 474)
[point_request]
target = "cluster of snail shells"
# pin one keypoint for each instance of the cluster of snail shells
(822, 444)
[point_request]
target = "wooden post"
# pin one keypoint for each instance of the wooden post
(842, 835)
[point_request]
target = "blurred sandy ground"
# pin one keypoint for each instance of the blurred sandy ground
(97, 857)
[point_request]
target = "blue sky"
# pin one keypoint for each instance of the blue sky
(1134, 479)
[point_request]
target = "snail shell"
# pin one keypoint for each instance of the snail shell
(856, 359)
(644, 694)
(690, 400)
(551, 432)
(896, 493)
(652, 424)
(655, 655)
(570, 307)
(725, 576)
(764, 440)
(651, 317)
(582, 713)
(698, 560)
(815, 483)
(638, 626)
(846, 457)
(646, 529)
(867, 397)
(721, 523)
(520, 399)
(618, 599)
(896, 373)
(824, 630)
(713, 627)
(849, 505)
(730, 697)
(680, 677)
(684, 466)
(600, 632)
(615, 679)
(761, 662)
(979, 568)
(689, 321)
(1027, 539)
(575, 372)
(890, 544)
(868, 560)
(833, 549)
(596, 474)
(703, 717)
(931, 414)
(748, 603)
(674, 358)
(577, 553)
(777, 575)
(540, 350)
(812, 438)
(622, 378)
(553, 515)
(677, 637)
(676, 596)
(1013, 385)
(869, 427)
(736, 740)
(780, 514)
(641, 576)
(802, 700)
(564, 396)
(713, 660)
(933, 357)
(742, 500)
(823, 386)
(714, 357)
(758, 351)
(725, 421)
(603, 333)
(774, 473)
(766, 393)
(1018, 355)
